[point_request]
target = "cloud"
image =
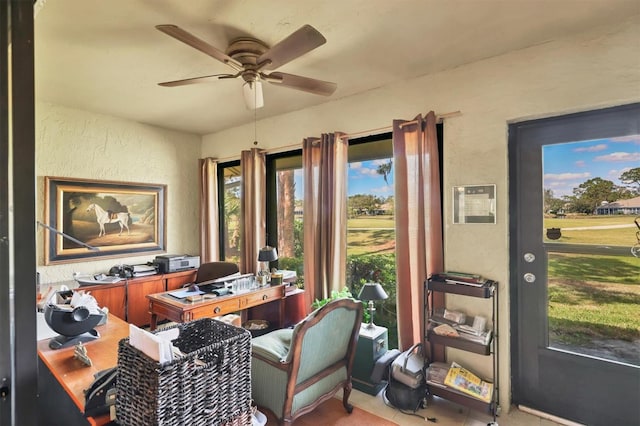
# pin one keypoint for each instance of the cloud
(355, 165)
(619, 156)
(385, 189)
(565, 176)
(631, 138)
(595, 148)
(615, 173)
(368, 172)
(580, 163)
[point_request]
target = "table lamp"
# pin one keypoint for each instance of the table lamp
(265, 255)
(371, 292)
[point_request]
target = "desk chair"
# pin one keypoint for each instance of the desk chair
(213, 270)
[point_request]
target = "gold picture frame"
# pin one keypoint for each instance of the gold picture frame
(115, 219)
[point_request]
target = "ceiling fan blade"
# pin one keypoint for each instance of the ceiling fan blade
(296, 44)
(311, 85)
(195, 80)
(193, 41)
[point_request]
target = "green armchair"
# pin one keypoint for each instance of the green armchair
(295, 370)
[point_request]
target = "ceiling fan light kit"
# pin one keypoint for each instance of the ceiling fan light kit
(249, 57)
(252, 91)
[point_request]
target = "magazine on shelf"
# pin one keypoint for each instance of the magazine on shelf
(463, 380)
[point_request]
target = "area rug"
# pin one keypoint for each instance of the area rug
(332, 413)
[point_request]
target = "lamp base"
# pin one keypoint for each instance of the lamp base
(370, 325)
(371, 308)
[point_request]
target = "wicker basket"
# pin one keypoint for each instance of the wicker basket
(210, 385)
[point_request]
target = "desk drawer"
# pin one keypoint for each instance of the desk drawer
(222, 307)
(262, 296)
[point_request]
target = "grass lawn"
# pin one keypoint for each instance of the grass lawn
(593, 297)
(382, 221)
(613, 236)
(371, 235)
(581, 221)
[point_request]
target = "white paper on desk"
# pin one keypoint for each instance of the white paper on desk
(151, 345)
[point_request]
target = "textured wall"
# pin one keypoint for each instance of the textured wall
(596, 69)
(78, 144)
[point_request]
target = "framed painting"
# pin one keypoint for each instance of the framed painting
(88, 219)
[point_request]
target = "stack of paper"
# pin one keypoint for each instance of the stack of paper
(156, 346)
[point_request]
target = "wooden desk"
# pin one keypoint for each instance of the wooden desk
(180, 310)
(74, 376)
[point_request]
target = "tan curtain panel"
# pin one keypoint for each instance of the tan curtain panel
(324, 164)
(209, 220)
(252, 208)
(418, 220)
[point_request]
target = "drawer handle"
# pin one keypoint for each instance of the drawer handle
(265, 297)
(216, 310)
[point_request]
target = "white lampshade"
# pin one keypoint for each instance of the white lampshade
(252, 91)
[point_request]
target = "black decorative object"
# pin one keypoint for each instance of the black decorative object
(74, 325)
(553, 233)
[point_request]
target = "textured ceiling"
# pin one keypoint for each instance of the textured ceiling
(107, 57)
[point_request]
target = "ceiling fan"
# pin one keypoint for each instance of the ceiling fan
(251, 58)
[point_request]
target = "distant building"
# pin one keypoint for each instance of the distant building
(630, 206)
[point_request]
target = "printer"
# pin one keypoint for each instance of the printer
(176, 262)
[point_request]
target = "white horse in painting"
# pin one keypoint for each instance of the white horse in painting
(104, 216)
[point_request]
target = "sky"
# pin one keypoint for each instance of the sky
(363, 179)
(567, 165)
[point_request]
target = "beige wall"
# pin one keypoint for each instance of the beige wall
(597, 69)
(79, 144)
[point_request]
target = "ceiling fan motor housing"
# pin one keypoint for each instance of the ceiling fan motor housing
(247, 50)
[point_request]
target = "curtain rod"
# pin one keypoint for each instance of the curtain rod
(439, 119)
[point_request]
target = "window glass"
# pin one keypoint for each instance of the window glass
(371, 226)
(591, 228)
(285, 198)
(229, 181)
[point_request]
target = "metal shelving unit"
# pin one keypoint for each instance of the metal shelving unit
(487, 291)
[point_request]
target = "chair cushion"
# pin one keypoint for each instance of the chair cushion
(273, 346)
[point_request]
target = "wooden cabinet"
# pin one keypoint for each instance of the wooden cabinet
(137, 305)
(112, 296)
(179, 279)
(138, 288)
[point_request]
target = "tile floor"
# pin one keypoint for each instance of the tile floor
(445, 412)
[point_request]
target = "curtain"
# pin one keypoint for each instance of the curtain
(324, 164)
(209, 220)
(252, 208)
(418, 220)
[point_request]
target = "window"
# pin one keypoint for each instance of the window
(284, 210)
(371, 225)
(229, 180)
